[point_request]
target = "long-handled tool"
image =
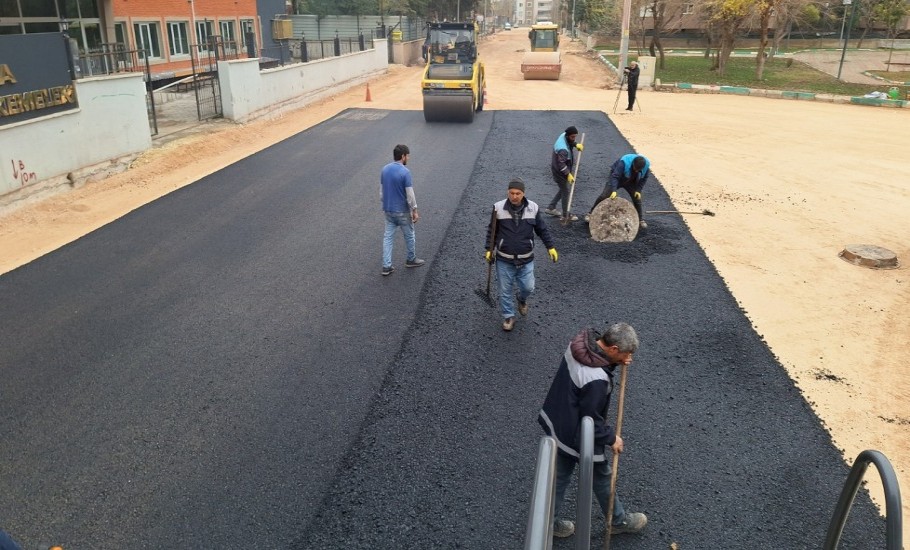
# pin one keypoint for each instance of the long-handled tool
(704, 212)
(619, 93)
(622, 400)
(568, 219)
(486, 295)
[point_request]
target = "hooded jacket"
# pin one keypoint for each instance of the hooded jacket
(582, 387)
(621, 174)
(563, 157)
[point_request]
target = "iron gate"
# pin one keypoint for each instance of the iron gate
(205, 58)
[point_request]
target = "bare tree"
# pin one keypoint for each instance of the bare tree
(663, 12)
(727, 17)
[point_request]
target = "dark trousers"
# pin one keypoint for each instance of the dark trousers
(633, 88)
(635, 202)
(562, 194)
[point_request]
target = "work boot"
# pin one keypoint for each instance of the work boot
(631, 523)
(587, 217)
(552, 211)
(642, 224)
(508, 324)
(523, 308)
(563, 528)
(387, 270)
(416, 262)
(569, 218)
(628, 108)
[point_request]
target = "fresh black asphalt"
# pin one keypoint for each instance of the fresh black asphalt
(226, 368)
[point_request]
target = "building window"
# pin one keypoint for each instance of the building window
(177, 39)
(227, 31)
(148, 39)
(204, 32)
(688, 9)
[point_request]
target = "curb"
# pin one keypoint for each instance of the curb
(775, 94)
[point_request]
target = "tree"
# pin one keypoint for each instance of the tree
(662, 12)
(891, 12)
(765, 9)
(789, 13)
(727, 16)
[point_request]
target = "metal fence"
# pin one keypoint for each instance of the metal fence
(304, 51)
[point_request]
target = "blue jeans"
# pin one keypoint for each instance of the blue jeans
(509, 276)
(394, 220)
(565, 467)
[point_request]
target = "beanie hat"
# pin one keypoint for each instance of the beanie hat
(516, 183)
(571, 130)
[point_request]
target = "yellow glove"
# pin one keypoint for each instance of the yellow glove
(488, 256)
(580, 146)
(553, 255)
(571, 178)
(638, 195)
(613, 195)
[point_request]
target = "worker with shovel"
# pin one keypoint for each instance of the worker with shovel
(561, 162)
(582, 387)
(510, 242)
(631, 173)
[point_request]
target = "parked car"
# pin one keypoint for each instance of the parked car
(507, 27)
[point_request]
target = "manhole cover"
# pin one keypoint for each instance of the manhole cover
(868, 255)
(614, 221)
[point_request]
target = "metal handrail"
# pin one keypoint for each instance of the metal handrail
(893, 511)
(539, 534)
(585, 486)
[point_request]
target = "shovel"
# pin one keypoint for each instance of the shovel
(704, 212)
(568, 219)
(485, 295)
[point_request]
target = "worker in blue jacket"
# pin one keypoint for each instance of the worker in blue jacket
(631, 173)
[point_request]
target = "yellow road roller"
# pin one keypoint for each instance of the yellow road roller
(453, 81)
(543, 61)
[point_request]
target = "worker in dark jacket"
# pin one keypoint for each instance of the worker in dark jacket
(561, 163)
(582, 387)
(631, 173)
(515, 222)
(632, 72)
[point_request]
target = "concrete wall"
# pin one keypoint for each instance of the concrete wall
(408, 53)
(248, 93)
(47, 154)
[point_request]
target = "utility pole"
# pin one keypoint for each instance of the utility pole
(846, 40)
(844, 20)
(624, 41)
(573, 19)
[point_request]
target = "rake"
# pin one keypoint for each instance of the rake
(704, 212)
(485, 295)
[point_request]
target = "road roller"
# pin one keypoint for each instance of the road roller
(453, 80)
(543, 61)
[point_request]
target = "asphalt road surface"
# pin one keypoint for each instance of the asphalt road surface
(226, 368)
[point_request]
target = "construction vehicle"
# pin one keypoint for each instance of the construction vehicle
(453, 81)
(543, 61)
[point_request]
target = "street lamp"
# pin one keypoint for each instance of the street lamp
(844, 21)
(846, 39)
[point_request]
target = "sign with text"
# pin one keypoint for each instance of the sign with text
(34, 77)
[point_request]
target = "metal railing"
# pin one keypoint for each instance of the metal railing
(539, 533)
(585, 486)
(302, 50)
(893, 511)
(111, 59)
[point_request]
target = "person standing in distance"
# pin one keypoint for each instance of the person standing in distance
(582, 387)
(632, 72)
(517, 220)
(561, 163)
(400, 206)
(631, 173)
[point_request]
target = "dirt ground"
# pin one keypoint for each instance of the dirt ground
(791, 182)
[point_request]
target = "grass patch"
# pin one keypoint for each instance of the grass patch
(780, 74)
(896, 76)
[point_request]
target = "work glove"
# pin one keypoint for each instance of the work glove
(553, 254)
(613, 195)
(638, 195)
(488, 256)
(571, 179)
(580, 146)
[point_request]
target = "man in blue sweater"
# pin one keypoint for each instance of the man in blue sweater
(582, 387)
(400, 206)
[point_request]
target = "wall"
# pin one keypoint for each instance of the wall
(110, 127)
(248, 93)
(408, 53)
